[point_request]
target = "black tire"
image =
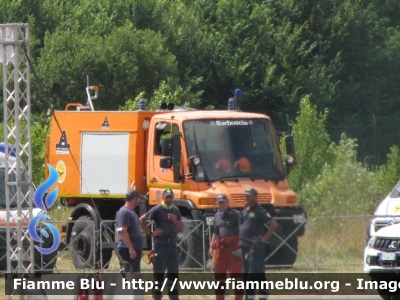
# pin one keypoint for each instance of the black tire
(192, 244)
(82, 242)
(107, 254)
(289, 251)
(108, 235)
(84, 247)
(44, 263)
(286, 254)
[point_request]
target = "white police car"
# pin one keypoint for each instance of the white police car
(382, 259)
(382, 253)
(387, 212)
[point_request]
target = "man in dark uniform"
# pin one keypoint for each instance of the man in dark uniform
(225, 244)
(130, 244)
(168, 223)
(252, 236)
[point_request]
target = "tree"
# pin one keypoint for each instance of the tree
(122, 64)
(164, 94)
(344, 186)
(312, 145)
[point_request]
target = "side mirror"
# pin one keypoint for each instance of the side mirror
(166, 146)
(290, 145)
(166, 163)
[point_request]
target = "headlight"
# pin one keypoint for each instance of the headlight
(371, 241)
(196, 161)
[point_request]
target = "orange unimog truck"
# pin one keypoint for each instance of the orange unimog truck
(199, 154)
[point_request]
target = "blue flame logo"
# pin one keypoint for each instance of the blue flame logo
(49, 201)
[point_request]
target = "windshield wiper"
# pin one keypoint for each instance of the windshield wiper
(198, 153)
(277, 179)
(230, 178)
(257, 176)
(237, 178)
(251, 177)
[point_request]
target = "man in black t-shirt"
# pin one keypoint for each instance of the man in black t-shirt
(252, 236)
(130, 243)
(168, 223)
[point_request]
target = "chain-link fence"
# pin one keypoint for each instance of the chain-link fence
(339, 241)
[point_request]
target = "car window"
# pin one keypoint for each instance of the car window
(13, 190)
(396, 191)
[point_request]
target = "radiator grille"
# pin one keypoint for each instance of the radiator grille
(262, 198)
(387, 244)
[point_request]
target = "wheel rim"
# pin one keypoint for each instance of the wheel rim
(82, 245)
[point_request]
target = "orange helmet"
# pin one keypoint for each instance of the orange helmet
(223, 165)
(243, 165)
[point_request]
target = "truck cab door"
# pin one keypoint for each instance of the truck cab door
(167, 145)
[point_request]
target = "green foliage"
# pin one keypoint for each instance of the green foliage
(120, 63)
(328, 178)
(164, 94)
(389, 174)
(344, 186)
(312, 145)
(39, 132)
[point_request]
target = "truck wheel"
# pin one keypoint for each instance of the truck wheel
(45, 262)
(284, 255)
(287, 255)
(82, 243)
(107, 254)
(190, 247)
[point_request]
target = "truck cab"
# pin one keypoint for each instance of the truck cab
(201, 154)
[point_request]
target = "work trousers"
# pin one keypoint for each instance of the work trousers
(130, 265)
(165, 258)
(254, 269)
(225, 261)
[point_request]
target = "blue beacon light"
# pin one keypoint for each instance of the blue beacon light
(142, 104)
(232, 101)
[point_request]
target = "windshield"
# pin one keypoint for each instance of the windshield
(234, 149)
(396, 191)
(13, 189)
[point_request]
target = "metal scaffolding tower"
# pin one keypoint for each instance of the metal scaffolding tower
(14, 53)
